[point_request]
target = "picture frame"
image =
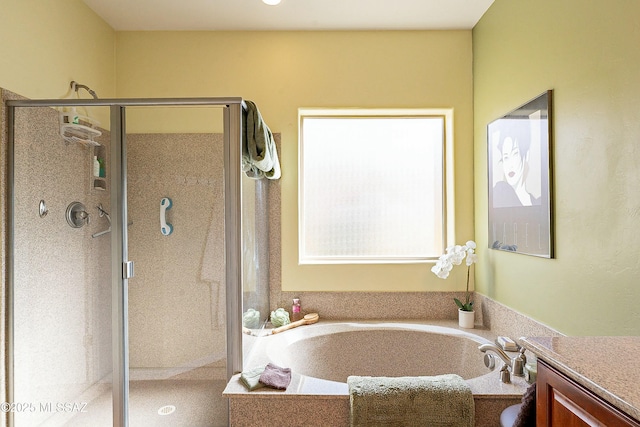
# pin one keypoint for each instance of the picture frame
(519, 156)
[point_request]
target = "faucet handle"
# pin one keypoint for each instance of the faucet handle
(77, 215)
(505, 375)
(517, 365)
(83, 216)
(522, 350)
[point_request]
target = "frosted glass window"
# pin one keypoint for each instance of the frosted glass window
(371, 187)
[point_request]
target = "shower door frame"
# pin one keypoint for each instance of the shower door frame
(121, 268)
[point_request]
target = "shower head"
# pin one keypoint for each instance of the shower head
(75, 86)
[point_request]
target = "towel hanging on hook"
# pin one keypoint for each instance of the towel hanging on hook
(259, 153)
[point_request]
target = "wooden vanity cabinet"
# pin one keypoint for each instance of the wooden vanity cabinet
(561, 402)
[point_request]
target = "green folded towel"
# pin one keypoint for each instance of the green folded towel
(437, 401)
(259, 153)
(251, 378)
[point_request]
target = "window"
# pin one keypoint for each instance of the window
(371, 185)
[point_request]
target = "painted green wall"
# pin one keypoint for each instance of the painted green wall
(283, 71)
(47, 44)
(587, 52)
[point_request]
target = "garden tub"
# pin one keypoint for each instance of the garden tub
(321, 357)
(333, 351)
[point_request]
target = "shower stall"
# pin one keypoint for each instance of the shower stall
(134, 248)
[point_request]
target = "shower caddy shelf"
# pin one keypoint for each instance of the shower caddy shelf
(75, 128)
(79, 129)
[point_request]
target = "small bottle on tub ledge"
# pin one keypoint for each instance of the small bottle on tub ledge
(296, 313)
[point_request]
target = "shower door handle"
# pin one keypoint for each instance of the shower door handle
(127, 269)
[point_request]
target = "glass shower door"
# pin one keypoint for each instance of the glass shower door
(176, 237)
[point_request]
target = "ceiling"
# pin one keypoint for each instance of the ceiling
(253, 15)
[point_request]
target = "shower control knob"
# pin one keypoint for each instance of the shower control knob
(77, 215)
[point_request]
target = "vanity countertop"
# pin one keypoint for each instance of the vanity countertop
(607, 366)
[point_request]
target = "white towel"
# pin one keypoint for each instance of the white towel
(437, 401)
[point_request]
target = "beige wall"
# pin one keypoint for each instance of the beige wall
(282, 71)
(587, 52)
(588, 55)
(47, 44)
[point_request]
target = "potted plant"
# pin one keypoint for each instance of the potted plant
(454, 256)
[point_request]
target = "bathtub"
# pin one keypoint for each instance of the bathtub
(333, 351)
(321, 357)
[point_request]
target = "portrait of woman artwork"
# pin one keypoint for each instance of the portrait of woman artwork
(519, 167)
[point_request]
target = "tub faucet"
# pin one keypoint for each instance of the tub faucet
(515, 365)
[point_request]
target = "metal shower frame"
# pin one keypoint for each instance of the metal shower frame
(121, 267)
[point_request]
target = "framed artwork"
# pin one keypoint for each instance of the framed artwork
(520, 179)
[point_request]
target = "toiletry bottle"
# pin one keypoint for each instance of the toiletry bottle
(296, 314)
(75, 119)
(102, 170)
(96, 166)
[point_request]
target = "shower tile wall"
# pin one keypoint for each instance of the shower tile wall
(177, 298)
(62, 285)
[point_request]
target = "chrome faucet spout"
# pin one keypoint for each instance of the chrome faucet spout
(515, 365)
(497, 350)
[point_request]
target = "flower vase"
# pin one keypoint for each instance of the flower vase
(466, 319)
